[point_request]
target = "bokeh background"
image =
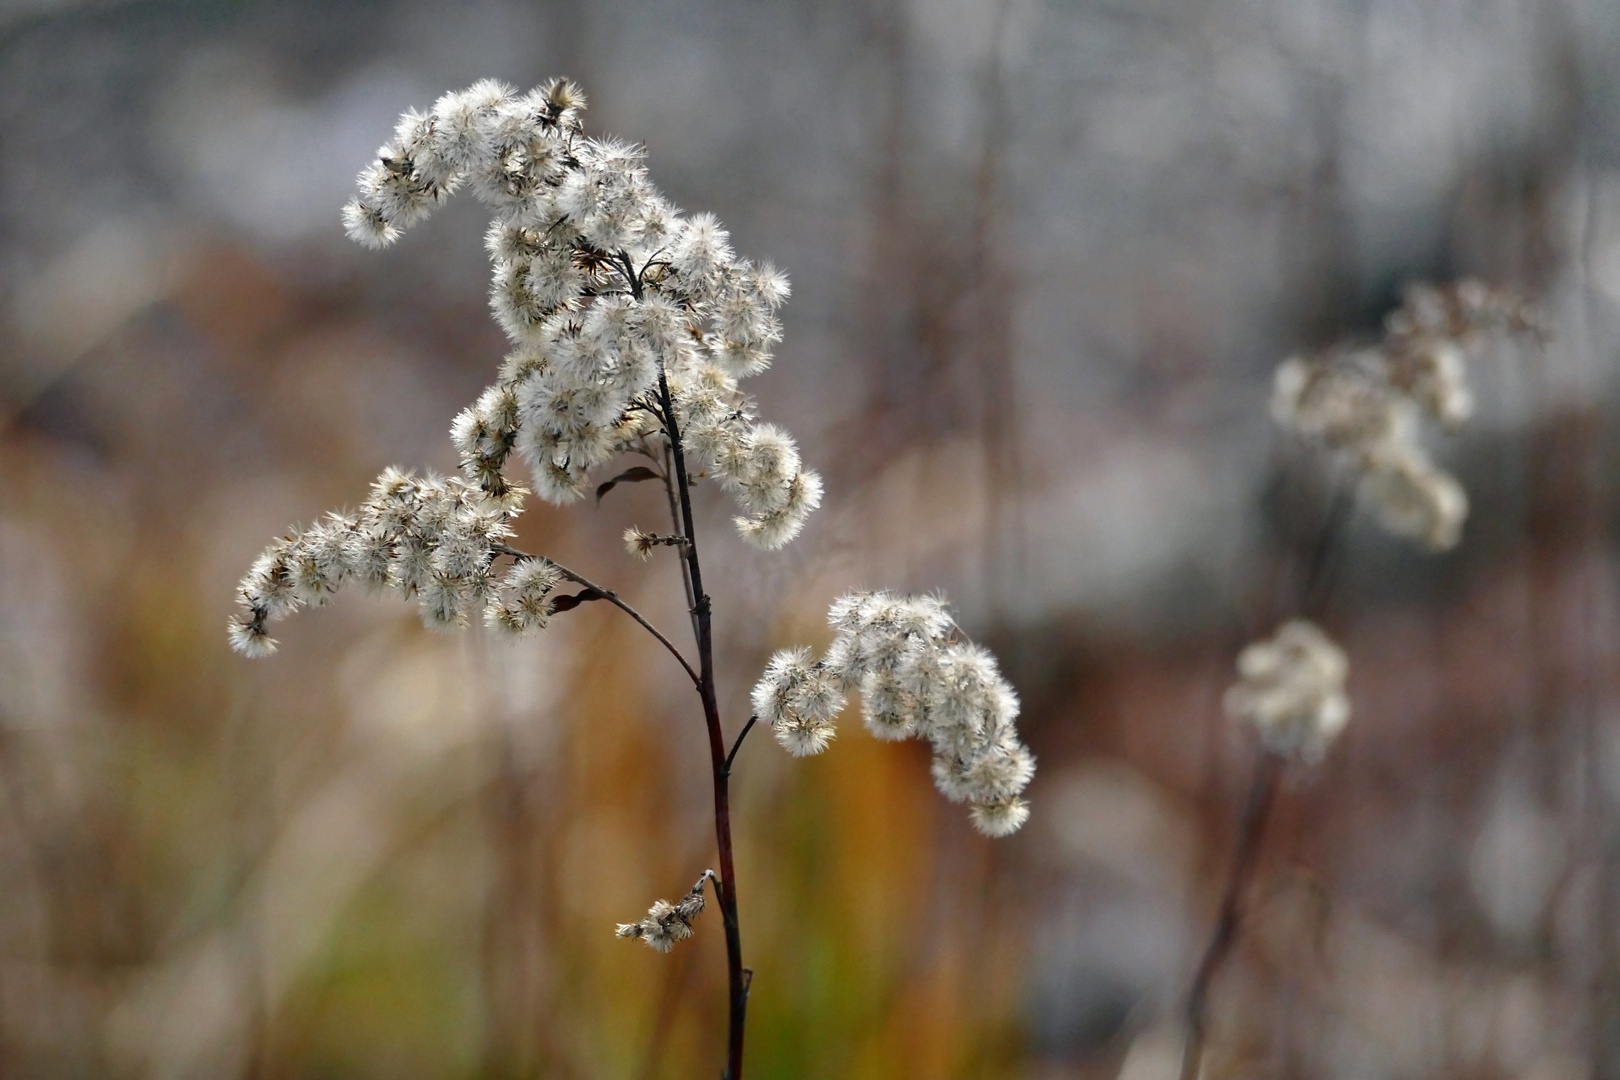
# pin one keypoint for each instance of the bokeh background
(1045, 254)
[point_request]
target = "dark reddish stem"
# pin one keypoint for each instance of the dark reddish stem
(1262, 792)
(737, 977)
(1251, 829)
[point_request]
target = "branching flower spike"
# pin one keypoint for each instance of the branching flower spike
(917, 679)
(620, 310)
(1366, 404)
(432, 538)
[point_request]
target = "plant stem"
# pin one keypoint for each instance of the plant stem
(675, 523)
(611, 597)
(737, 745)
(1262, 790)
(1251, 828)
(1314, 593)
(738, 978)
(720, 764)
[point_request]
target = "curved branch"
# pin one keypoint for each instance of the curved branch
(736, 746)
(613, 598)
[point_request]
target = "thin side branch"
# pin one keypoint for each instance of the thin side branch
(736, 746)
(613, 598)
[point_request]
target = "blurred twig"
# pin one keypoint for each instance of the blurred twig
(1262, 791)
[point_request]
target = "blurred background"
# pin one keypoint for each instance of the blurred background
(1046, 255)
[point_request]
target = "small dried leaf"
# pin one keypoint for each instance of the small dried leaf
(573, 600)
(629, 476)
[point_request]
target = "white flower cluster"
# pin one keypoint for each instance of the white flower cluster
(605, 290)
(1291, 688)
(433, 538)
(630, 323)
(916, 679)
(666, 923)
(1366, 404)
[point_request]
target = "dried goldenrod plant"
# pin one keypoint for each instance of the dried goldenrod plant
(1365, 408)
(632, 326)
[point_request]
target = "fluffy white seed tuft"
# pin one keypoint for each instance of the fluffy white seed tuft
(999, 818)
(917, 679)
(1291, 688)
(799, 699)
(666, 923)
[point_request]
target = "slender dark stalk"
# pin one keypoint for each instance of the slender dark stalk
(1251, 829)
(737, 745)
(675, 523)
(738, 977)
(1318, 578)
(1262, 792)
(721, 767)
